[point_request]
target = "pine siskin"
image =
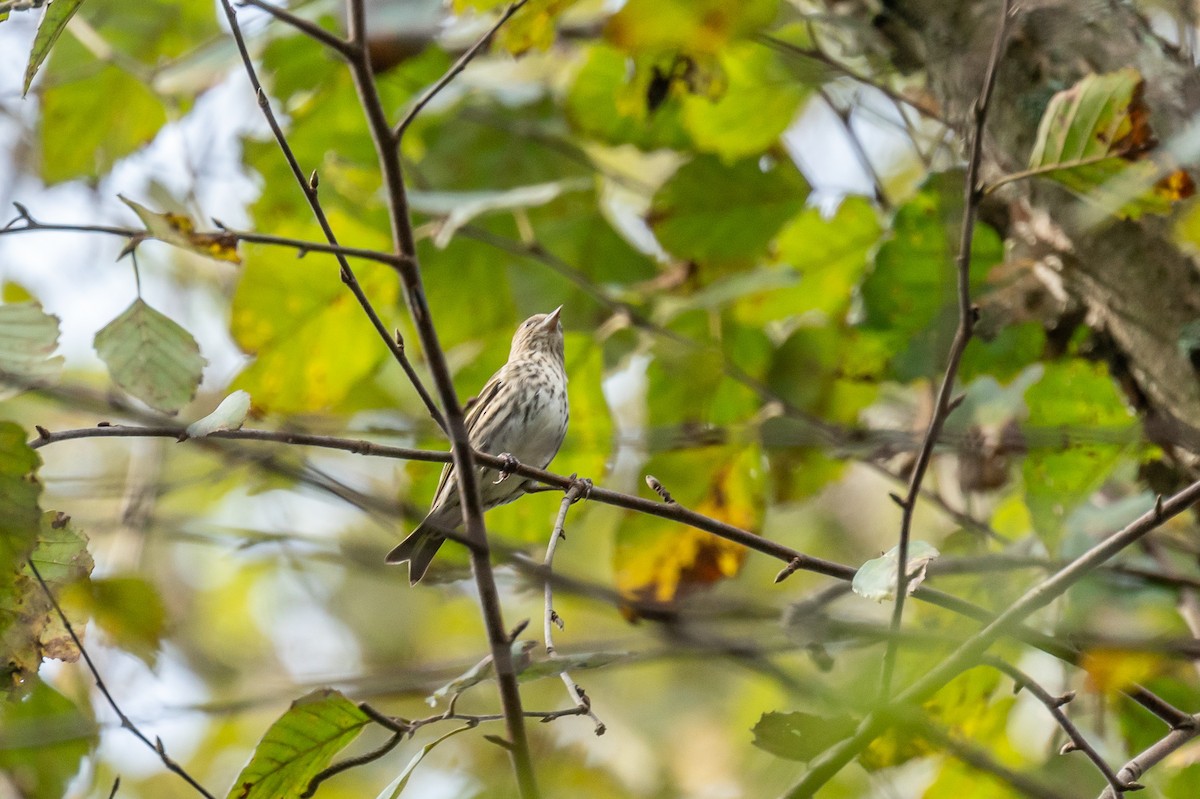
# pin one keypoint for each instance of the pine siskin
(522, 411)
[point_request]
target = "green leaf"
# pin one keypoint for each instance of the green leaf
(1080, 395)
(910, 296)
(54, 21)
(1094, 138)
(758, 103)
(690, 25)
(312, 342)
(128, 609)
(608, 103)
(83, 133)
(488, 146)
(831, 255)
(44, 738)
(298, 745)
(800, 736)
(160, 32)
(707, 396)
(30, 628)
(401, 781)
(710, 212)
(1182, 784)
(1004, 354)
(151, 357)
(876, 579)
(28, 337)
(660, 561)
(829, 371)
(20, 517)
(534, 26)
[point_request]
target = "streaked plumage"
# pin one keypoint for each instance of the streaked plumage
(521, 411)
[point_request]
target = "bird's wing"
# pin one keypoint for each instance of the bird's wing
(477, 408)
(475, 411)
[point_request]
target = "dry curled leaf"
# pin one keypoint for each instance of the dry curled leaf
(180, 230)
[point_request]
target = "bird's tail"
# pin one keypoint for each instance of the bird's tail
(418, 549)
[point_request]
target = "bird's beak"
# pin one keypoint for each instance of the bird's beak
(551, 319)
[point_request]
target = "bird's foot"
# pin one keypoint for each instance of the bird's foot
(582, 487)
(506, 471)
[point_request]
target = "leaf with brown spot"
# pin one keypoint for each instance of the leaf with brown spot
(1095, 139)
(659, 561)
(180, 230)
(34, 630)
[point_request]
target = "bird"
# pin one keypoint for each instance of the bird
(521, 413)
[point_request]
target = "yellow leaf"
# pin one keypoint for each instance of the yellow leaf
(534, 26)
(1111, 670)
(660, 561)
(694, 26)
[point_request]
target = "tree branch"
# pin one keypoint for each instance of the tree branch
(673, 511)
(967, 314)
(157, 745)
(404, 245)
(301, 246)
(309, 188)
(551, 618)
(1055, 704)
(453, 72)
(1154, 754)
(823, 768)
(307, 27)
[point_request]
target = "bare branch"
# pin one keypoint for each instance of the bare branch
(453, 72)
(551, 618)
(309, 188)
(108, 697)
(794, 559)
(833, 759)
(302, 247)
(310, 29)
(1155, 754)
(1055, 704)
(404, 244)
(967, 315)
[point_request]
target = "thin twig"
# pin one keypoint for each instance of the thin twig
(1154, 754)
(1055, 704)
(156, 745)
(673, 511)
(845, 71)
(309, 187)
(352, 762)
(860, 152)
(404, 244)
(301, 246)
(309, 28)
(967, 315)
(822, 768)
(551, 618)
(453, 72)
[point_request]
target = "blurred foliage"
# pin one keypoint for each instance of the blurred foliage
(761, 340)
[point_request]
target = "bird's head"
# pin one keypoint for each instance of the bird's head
(540, 333)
